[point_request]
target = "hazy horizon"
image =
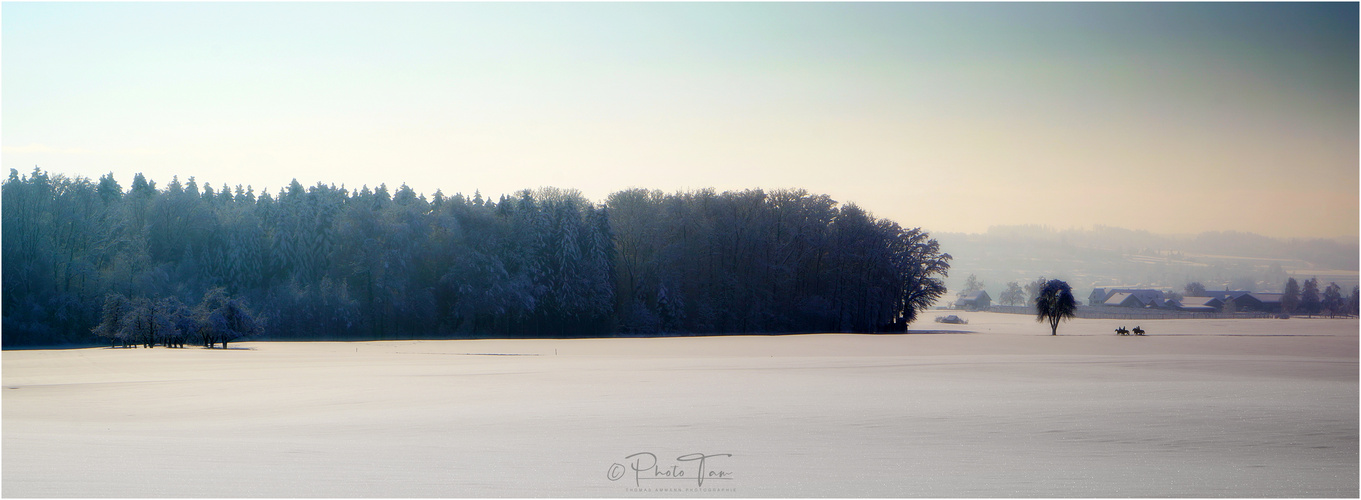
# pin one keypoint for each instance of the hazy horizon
(1169, 118)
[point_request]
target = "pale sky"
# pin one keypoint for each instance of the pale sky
(1172, 118)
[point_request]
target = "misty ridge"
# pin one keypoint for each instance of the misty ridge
(90, 262)
(1105, 256)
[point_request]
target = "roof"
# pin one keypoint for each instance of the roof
(1190, 302)
(1198, 308)
(1226, 294)
(1122, 299)
(973, 296)
(1115, 298)
(1146, 295)
(1267, 298)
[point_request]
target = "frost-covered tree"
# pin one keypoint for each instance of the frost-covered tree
(971, 284)
(231, 321)
(142, 325)
(921, 267)
(1033, 289)
(1013, 295)
(174, 322)
(220, 318)
(110, 327)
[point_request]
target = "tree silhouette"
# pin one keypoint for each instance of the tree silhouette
(116, 307)
(1332, 300)
(1354, 301)
(331, 262)
(1310, 301)
(230, 322)
(1055, 303)
(1290, 298)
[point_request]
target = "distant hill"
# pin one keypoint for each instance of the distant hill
(1112, 256)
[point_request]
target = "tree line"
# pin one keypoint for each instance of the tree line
(1309, 300)
(336, 263)
(218, 319)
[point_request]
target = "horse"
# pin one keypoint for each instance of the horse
(1121, 331)
(1138, 331)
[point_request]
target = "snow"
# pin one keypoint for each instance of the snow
(994, 408)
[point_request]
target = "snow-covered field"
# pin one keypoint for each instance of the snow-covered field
(995, 408)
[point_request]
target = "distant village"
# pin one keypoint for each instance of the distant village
(1294, 300)
(1212, 301)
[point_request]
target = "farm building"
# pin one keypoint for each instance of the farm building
(1260, 301)
(1124, 300)
(1201, 304)
(1130, 297)
(1224, 295)
(1241, 299)
(974, 301)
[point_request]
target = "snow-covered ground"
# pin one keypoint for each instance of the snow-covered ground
(995, 408)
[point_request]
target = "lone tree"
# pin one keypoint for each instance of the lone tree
(1195, 289)
(1055, 303)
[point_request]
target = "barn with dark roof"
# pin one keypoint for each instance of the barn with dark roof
(974, 301)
